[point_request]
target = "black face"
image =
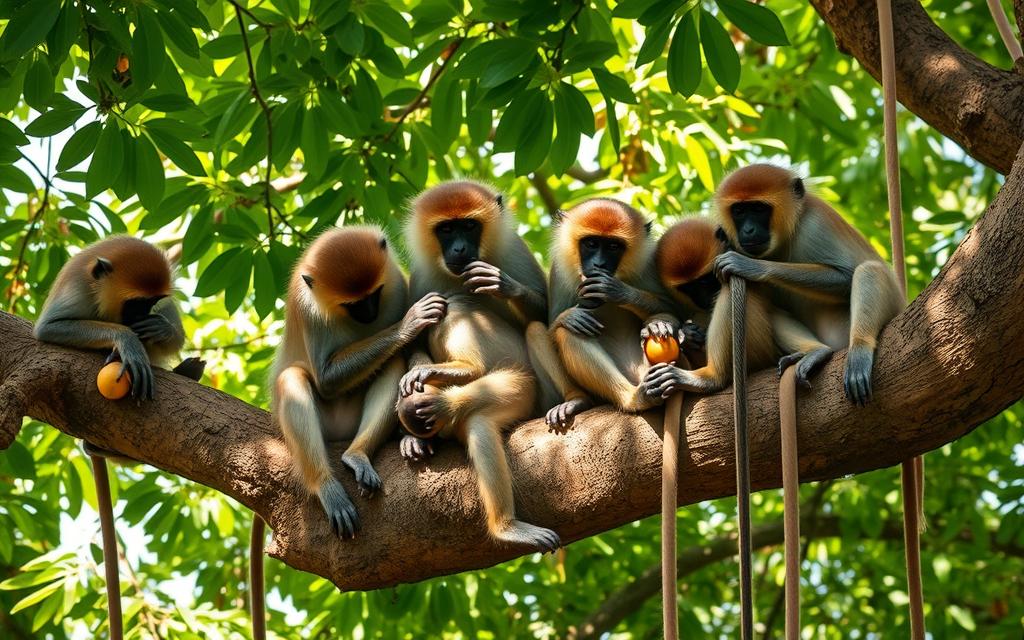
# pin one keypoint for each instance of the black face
(753, 225)
(135, 309)
(600, 254)
(702, 291)
(460, 242)
(365, 310)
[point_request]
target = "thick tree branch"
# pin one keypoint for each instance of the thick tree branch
(952, 360)
(968, 100)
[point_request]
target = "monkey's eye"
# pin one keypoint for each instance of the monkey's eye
(444, 227)
(470, 224)
(615, 246)
(590, 243)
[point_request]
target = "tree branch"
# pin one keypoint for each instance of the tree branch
(586, 176)
(968, 100)
(418, 100)
(953, 359)
(539, 180)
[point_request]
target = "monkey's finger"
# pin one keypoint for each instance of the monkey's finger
(482, 281)
(488, 289)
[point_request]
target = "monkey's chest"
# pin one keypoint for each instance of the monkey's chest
(474, 330)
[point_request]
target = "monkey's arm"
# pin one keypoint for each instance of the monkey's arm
(351, 366)
(527, 303)
(162, 326)
(818, 281)
(609, 289)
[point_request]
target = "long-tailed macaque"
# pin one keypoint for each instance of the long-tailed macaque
(474, 378)
(603, 290)
(337, 369)
(115, 295)
(821, 269)
(685, 257)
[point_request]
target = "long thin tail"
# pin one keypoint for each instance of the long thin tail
(790, 500)
(110, 560)
(257, 606)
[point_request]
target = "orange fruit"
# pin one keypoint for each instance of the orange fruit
(661, 350)
(110, 387)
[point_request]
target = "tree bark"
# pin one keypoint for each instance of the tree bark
(968, 100)
(952, 360)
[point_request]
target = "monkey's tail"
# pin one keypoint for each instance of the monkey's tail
(257, 608)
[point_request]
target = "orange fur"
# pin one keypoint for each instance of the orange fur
(140, 270)
(458, 199)
(346, 265)
(760, 183)
(686, 251)
(607, 218)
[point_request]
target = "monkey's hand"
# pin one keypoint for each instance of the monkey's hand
(154, 328)
(657, 329)
(581, 322)
(731, 264)
(662, 380)
(135, 361)
(691, 335)
(427, 312)
(560, 417)
(415, 449)
(415, 378)
(481, 277)
(603, 288)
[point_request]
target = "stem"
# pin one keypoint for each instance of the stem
(415, 104)
(12, 295)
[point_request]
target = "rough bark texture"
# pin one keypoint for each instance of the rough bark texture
(952, 360)
(972, 102)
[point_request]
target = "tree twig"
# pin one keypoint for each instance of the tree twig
(556, 55)
(434, 76)
(586, 176)
(263, 107)
(13, 293)
(252, 16)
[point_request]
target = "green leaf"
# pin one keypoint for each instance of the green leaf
(39, 84)
(580, 108)
(107, 160)
(238, 285)
(446, 109)
(513, 121)
(175, 204)
(79, 145)
(149, 173)
(535, 133)
(614, 86)
(349, 35)
(654, 43)
(219, 273)
(10, 134)
(699, 161)
(113, 23)
(198, 237)
(167, 102)
(514, 56)
(566, 144)
(338, 115)
(758, 22)
(179, 152)
(612, 125)
(27, 27)
(64, 33)
(684, 67)
(263, 284)
(287, 131)
(631, 9)
(229, 121)
(24, 466)
(314, 144)
(722, 58)
(54, 121)
(179, 32)
(390, 22)
(148, 46)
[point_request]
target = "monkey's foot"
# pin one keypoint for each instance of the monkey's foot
(518, 532)
(415, 449)
(191, 368)
(339, 508)
(857, 377)
(806, 363)
(366, 475)
(560, 417)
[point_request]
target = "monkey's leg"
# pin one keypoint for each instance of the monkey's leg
(375, 425)
(545, 361)
(589, 364)
(800, 346)
(301, 425)
(874, 301)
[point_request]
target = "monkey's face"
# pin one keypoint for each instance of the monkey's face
(600, 254)
(135, 309)
(752, 220)
(460, 242)
(701, 291)
(365, 310)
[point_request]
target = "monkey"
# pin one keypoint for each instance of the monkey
(685, 258)
(472, 378)
(116, 295)
(822, 270)
(602, 290)
(336, 372)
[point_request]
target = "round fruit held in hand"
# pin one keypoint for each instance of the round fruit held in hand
(110, 387)
(661, 349)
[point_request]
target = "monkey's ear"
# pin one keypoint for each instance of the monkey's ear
(308, 280)
(500, 199)
(798, 187)
(559, 215)
(102, 268)
(720, 234)
(648, 225)
(383, 243)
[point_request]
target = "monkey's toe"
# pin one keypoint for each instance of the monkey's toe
(367, 477)
(857, 376)
(341, 513)
(789, 360)
(521, 533)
